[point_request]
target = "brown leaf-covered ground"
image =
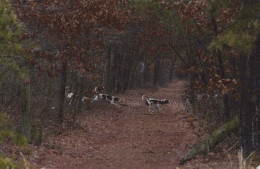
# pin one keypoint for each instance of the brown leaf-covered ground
(106, 136)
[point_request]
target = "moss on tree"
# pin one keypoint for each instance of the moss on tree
(211, 141)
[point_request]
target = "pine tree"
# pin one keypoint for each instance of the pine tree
(10, 54)
(243, 38)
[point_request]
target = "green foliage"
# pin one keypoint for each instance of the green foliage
(10, 29)
(213, 6)
(242, 43)
(10, 164)
(6, 163)
(36, 136)
(144, 7)
(6, 133)
(152, 9)
(243, 34)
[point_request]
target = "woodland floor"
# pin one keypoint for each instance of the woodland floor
(106, 136)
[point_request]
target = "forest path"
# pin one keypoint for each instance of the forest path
(122, 137)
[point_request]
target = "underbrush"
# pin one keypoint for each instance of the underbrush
(10, 139)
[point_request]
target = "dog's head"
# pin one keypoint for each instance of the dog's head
(98, 89)
(101, 87)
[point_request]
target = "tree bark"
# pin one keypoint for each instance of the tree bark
(62, 91)
(171, 70)
(156, 70)
(81, 90)
(26, 108)
(249, 101)
(221, 67)
(107, 83)
(118, 70)
(127, 76)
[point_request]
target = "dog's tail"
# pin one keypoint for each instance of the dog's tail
(143, 97)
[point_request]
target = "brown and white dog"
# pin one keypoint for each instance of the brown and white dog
(106, 97)
(155, 102)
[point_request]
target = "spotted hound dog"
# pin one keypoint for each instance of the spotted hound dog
(106, 97)
(150, 101)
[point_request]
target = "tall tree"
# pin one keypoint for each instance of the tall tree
(69, 30)
(10, 47)
(242, 39)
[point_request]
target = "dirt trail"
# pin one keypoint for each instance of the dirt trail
(121, 138)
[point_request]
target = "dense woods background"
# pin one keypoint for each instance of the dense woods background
(52, 48)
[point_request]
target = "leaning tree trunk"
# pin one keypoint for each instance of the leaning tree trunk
(62, 91)
(211, 141)
(26, 107)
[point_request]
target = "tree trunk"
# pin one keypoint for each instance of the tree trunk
(117, 71)
(257, 92)
(132, 77)
(211, 141)
(223, 75)
(107, 78)
(146, 73)
(127, 76)
(221, 65)
(44, 115)
(81, 90)
(249, 103)
(114, 70)
(26, 108)
(75, 100)
(246, 110)
(156, 70)
(171, 70)
(62, 91)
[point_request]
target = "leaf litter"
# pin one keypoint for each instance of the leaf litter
(105, 136)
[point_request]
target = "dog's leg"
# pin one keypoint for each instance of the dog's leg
(70, 101)
(153, 109)
(107, 99)
(159, 107)
(149, 108)
(114, 104)
(95, 98)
